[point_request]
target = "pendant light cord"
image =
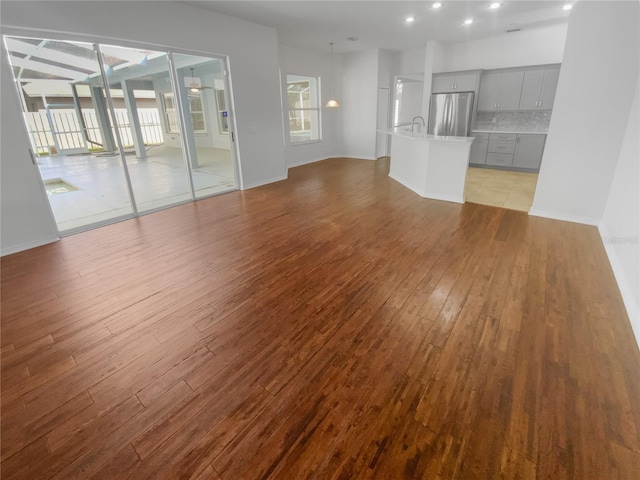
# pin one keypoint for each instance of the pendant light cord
(331, 69)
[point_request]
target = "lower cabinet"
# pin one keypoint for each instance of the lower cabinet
(478, 153)
(507, 150)
(500, 159)
(528, 152)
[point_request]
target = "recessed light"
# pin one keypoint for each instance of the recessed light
(468, 21)
(494, 5)
(409, 19)
(436, 5)
(568, 6)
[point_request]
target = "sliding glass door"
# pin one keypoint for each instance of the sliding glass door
(140, 81)
(59, 84)
(119, 131)
(204, 94)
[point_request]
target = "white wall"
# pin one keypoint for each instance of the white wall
(253, 52)
(597, 82)
(387, 68)
(304, 62)
(536, 46)
(411, 61)
(26, 219)
(359, 106)
(620, 227)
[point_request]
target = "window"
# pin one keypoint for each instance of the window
(196, 107)
(304, 108)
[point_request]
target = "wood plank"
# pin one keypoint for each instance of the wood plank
(330, 326)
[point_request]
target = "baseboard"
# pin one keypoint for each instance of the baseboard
(27, 246)
(445, 198)
(307, 162)
(565, 218)
(633, 310)
(356, 157)
(260, 183)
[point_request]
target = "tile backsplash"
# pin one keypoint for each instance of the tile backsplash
(514, 121)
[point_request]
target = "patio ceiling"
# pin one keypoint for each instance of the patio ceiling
(36, 59)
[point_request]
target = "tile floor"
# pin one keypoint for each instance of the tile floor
(500, 188)
(100, 187)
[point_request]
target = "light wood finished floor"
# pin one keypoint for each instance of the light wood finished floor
(331, 326)
(500, 188)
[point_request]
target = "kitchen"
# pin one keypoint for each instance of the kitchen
(506, 112)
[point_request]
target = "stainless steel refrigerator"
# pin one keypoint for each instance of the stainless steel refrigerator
(450, 114)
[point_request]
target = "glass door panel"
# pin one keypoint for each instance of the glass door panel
(83, 176)
(207, 123)
(147, 124)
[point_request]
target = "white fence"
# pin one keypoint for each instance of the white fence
(69, 135)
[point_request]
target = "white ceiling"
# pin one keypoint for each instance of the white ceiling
(312, 24)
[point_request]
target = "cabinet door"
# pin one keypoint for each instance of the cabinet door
(443, 83)
(529, 151)
(531, 89)
(510, 90)
(478, 154)
(489, 90)
(466, 83)
(549, 85)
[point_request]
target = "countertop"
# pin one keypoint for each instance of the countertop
(405, 132)
(509, 131)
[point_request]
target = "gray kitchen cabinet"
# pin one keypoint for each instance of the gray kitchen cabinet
(500, 159)
(497, 146)
(457, 82)
(539, 89)
(500, 91)
(478, 153)
(528, 153)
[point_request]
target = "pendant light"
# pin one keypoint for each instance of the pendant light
(332, 103)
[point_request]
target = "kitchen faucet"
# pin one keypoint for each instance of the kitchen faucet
(413, 122)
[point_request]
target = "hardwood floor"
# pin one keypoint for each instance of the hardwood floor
(331, 326)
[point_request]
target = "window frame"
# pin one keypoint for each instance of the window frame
(317, 108)
(166, 112)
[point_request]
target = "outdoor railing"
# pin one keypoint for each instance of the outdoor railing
(69, 134)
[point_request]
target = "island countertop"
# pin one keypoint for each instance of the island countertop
(432, 166)
(405, 132)
(516, 132)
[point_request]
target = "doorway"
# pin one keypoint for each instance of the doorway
(120, 131)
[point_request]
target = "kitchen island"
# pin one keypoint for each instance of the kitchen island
(431, 166)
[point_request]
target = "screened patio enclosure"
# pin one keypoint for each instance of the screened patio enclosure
(119, 131)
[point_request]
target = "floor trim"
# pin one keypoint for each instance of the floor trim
(626, 291)
(565, 218)
(27, 246)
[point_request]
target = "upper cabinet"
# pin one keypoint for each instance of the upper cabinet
(539, 89)
(500, 91)
(454, 82)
